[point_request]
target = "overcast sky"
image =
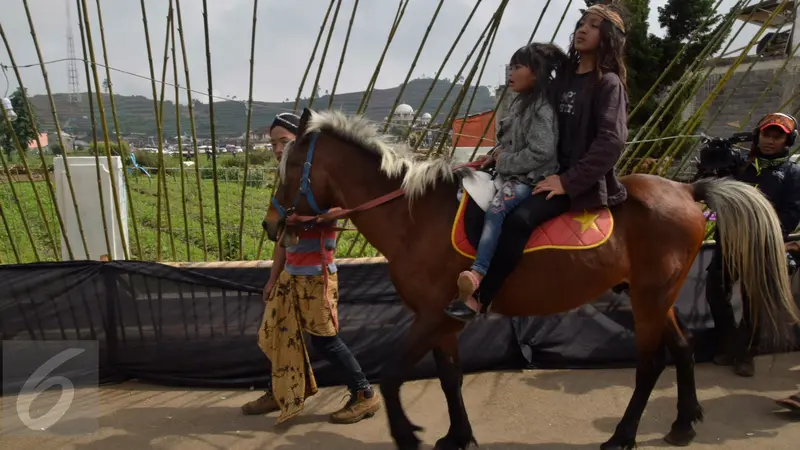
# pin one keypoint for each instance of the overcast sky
(286, 32)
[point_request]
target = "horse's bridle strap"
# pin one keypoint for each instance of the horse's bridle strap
(334, 214)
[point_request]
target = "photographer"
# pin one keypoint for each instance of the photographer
(768, 168)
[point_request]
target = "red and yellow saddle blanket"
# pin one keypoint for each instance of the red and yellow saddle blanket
(569, 231)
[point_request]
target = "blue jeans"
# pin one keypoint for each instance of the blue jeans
(505, 200)
(337, 353)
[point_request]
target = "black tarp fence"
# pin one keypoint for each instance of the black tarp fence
(197, 325)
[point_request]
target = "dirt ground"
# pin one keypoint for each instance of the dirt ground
(523, 410)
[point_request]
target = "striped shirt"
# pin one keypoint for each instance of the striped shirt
(305, 258)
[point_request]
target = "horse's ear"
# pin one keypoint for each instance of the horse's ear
(301, 128)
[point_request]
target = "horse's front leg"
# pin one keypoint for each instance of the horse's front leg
(448, 365)
(419, 341)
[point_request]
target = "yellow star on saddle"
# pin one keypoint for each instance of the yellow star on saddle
(587, 220)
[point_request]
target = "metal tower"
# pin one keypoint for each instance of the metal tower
(72, 68)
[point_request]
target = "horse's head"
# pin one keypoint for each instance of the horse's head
(301, 191)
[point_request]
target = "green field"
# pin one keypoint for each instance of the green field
(181, 238)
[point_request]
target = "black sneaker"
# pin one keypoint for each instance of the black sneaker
(460, 311)
(744, 367)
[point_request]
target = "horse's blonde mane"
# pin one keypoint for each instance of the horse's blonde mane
(396, 159)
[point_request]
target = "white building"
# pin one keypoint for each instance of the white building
(403, 114)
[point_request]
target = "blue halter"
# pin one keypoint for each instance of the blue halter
(305, 185)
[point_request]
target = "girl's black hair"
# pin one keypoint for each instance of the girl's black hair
(610, 50)
(545, 61)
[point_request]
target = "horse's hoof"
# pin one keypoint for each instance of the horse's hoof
(680, 438)
(451, 443)
(616, 444)
(408, 446)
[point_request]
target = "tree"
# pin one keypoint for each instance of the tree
(24, 126)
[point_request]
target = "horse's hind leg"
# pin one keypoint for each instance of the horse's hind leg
(459, 436)
(689, 409)
(419, 341)
(649, 312)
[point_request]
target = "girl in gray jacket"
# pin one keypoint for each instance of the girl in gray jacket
(525, 155)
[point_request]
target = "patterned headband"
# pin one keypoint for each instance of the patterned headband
(609, 14)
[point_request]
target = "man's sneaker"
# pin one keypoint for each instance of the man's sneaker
(744, 367)
(364, 404)
(262, 405)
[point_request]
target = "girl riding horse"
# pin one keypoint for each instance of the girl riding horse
(526, 153)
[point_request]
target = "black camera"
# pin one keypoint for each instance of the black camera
(719, 157)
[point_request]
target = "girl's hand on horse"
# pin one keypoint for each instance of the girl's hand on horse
(496, 154)
(551, 184)
(486, 161)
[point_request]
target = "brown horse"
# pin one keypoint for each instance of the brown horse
(340, 166)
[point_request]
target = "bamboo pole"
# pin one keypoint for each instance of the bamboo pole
(98, 175)
(561, 21)
(104, 125)
(296, 104)
(194, 130)
(344, 52)
(114, 117)
(213, 130)
(769, 86)
(313, 56)
(97, 172)
(687, 80)
(429, 127)
(67, 172)
(441, 69)
(366, 97)
(159, 133)
(324, 54)
(448, 123)
(22, 151)
(539, 21)
(247, 127)
(180, 141)
(695, 119)
(744, 77)
(697, 116)
(413, 64)
(475, 93)
(672, 63)
(686, 158)
(162, 170)
(666, 163)
(401, 10)
(505, 88)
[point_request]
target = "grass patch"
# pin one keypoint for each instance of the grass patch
(158, 241)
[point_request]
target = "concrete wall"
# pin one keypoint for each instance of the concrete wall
(747, 88)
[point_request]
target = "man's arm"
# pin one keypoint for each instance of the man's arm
(278, 261)
(789, 210)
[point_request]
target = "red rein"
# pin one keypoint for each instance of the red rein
(334, 214)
